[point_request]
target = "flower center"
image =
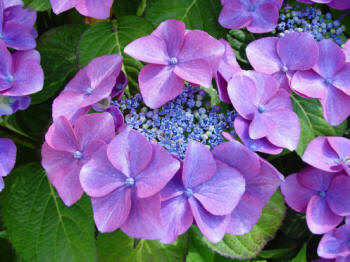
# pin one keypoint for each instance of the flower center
(78, 155)
(251, 8)
(284, 69)
(323, 193)
(261, 109)
(329, 81)
(129, 182)
(9, 78)
(173, 61)
(89, 90)
(188, 192)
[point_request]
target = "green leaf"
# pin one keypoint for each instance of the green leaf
(38, 5)
(57, 48)
(129, 7)
(198, 250)
(119, 247)
(196, 14)
(111, 38)
(40, 226)
(312, 122)
(239, 39)
(294, 225)
(249, 245)
(301, 257)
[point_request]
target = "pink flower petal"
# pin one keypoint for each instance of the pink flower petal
(264, 19)
(346, 50)
(99, 9)
(59, 6)
(342, 80)
(261, 126)
(5, 67)
(195, 71)
(315, 179)
(339, 204)
(234, 15)
(7, 156)
(309, 84)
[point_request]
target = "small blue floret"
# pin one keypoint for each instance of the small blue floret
(188, 192)
(78, 155)
(129, 181)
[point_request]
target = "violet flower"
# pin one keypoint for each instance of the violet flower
(331, 154)
(15, 70)
(175, 56)
(10, 104)
(16, 26)
(336, 4)
(90, 85)
(261, 181)
(335, 244)
(123, 180)
(120, 85)
(281, 57)
(67, 148)
(93, 8)
(320, 195)
(346, 50)
(328, 81)
(259, 16)
(206, 190)
(267, 110)
(228, 67)
(7, 159)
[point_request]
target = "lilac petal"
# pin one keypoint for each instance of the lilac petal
(79, 83)
(28, 75)
(296, 196)
(176, 218)
(244, 216)
(261, 145)
(149, 49)
(66, 105)
(149, 181)
(331, 59)
(7, 156)
(9, 3)
(315, 179)
(199, 165)
(281, 100)
(94, 126)
(346, 50)
(99, 9)
(17, 36)
(117, 117)
(221, 83)
(174, 188)
(144, 219)
(339, 4)
(336, 106)
(67, 183)
(23, 16)
(60, 136)
(59, 6)
(242, 93)
(98, 177)
(234, 15)
(2, 184)
(228, 64)
(298, 51)
(5, 67)
(159, 84)
(212, 227)
(222, 192)
(53, 160)
(195, 71)
(320, 219)
(130, 152)
(339, 204)
(263, 56)
(341, 145)
(199, 45)
(342, 80)
(1, 15)
(309, 84)
(112, 210)
(287, 133)
(261, 126)
(239, 157)
(173, 34)
(264, 19)
(119, 88)
(283, 80)
(332, 247)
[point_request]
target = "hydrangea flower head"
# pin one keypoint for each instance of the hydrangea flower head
(175, 55)
(261, 181)
(90, 85)
(15, 69)
(281, 57)
(123, 180)
(328, 81)
(67, 148)
(336, 4)
(259, 16)
(331, 154)
(320, 195)
(16, 26)
(266, 109)
(7, 158)
(93, 8)
(336, 244)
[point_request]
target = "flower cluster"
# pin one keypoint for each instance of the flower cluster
(310, 19)
(98, 9)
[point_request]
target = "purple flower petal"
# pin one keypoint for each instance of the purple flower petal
(335, 243)
(23, 16)
(320, 219)
(234, 15)
(261, 126)
(159, 84)
(144, 219)
(5, 67)
(149, 49)
(195, 71)
(94, 8)
(339, 4)
(222, 192)
(298, 51)
(342, 80)
(264, 19)
(111, 211)
(130, 152)
(7, 156)
(17, 36)
(309, 83)
(346, 50)
(174, 188)
(199, 165)
(315, 179)
(339, 204)
(59, 6)
(157, 174)
(212, 227)
(281, 100)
